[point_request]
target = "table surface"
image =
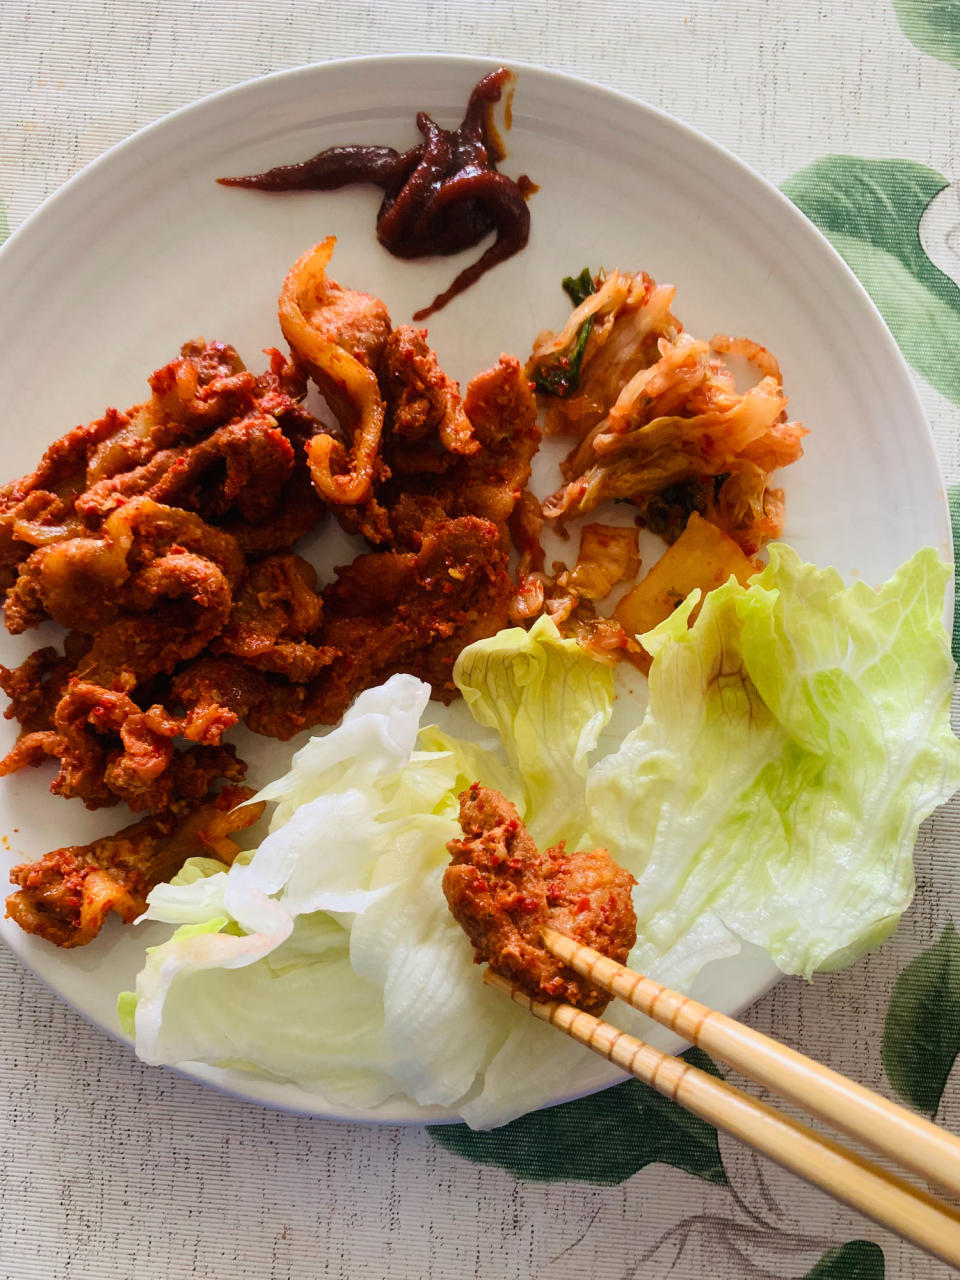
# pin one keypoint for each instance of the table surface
(109, 1169)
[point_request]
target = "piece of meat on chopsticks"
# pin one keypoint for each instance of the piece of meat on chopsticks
(66, 895)
(504, 893)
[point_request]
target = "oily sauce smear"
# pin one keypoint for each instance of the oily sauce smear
(441, 197)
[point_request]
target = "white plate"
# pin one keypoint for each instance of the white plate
(142, 251)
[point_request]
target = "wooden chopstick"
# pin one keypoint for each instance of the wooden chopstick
(910, 1140)
(849, 1177)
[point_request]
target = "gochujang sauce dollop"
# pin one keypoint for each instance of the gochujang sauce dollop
(441, 197)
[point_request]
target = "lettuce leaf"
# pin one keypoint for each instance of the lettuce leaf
(548, 701)
(796, 736)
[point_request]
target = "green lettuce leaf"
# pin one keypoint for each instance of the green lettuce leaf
(548, 701)
(797, 735)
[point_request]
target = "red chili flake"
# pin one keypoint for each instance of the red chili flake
(520, 902)
(582, 904)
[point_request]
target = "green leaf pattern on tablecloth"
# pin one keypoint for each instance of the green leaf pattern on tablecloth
(953, 498)
(604, 1139)
(857, 1260)
(870, 211)
(921, 1037)
(933, 26)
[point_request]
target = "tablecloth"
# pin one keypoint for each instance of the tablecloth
(109, 1169)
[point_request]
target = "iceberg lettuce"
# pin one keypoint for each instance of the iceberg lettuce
(796, 735)
(549, 703)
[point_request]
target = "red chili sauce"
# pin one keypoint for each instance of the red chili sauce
(440, 197)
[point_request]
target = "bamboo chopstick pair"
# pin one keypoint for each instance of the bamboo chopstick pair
(908, 1139)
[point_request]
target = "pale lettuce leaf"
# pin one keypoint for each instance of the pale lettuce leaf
(441, 1023)
(373, 741)
(302, 1013)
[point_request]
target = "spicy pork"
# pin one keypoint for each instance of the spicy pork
(444, 470)
(504, 892)
(66, 896)
(161, 537)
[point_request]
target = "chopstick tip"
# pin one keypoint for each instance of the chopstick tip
(499, 983)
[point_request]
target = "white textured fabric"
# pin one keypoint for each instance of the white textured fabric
(110, 1170)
